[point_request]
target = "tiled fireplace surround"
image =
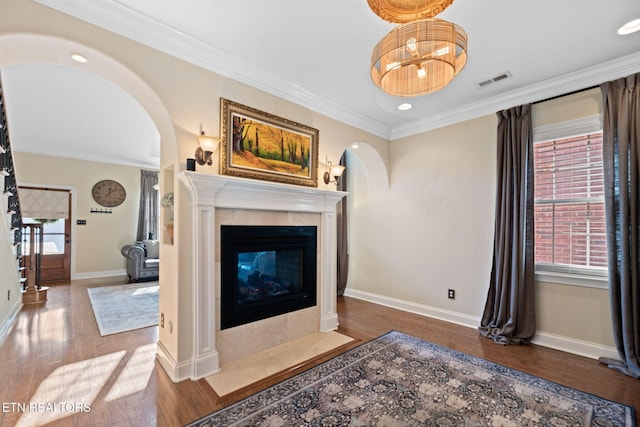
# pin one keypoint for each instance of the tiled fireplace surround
(224, 200)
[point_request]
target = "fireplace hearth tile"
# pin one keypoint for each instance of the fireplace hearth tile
(235, 375)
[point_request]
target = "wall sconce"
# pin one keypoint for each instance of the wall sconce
(335, 172)
(208, 144)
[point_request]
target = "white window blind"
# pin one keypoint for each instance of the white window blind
(570, 235)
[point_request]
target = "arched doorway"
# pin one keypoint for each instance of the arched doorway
(98, 110)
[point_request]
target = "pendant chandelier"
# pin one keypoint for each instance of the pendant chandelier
(420, 56)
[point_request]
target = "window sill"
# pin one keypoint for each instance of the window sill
(599, 282)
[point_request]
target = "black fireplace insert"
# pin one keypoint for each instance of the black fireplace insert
(266, 271)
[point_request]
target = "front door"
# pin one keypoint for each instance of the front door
(55, 260)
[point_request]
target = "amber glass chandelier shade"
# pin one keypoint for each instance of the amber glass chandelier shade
(419, 57)
(402, 11)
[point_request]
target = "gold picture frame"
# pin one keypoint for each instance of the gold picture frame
(263, 146)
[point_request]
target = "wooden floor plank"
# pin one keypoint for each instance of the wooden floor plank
(62, 334)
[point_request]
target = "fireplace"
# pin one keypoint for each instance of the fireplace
(266, 271)
(220, 200)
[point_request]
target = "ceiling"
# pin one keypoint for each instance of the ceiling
(317, 54)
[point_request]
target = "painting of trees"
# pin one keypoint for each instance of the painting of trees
(269, 147)
(258, 144)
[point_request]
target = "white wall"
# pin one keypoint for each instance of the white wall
(10, 297)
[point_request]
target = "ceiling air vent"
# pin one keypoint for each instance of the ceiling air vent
(503, 76)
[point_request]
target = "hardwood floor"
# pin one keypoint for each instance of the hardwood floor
(55, 355)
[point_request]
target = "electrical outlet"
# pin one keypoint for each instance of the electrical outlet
(451, 294)
(162, 320)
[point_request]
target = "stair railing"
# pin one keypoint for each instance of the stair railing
(10, 188)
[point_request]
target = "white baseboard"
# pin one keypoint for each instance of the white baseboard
(412, 307)
(575, 346)
(169, 364)
(545, 339)
(205, 365)
(10, 320)
(98, 274)
(193, 369)
(328, 323)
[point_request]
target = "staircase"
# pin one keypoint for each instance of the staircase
(32, 292)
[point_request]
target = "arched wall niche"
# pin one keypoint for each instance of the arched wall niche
(367, 182)
(369, 163)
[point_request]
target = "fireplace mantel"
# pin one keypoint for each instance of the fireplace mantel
(211, 192)
(242, 193)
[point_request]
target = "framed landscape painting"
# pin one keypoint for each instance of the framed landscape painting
(263, 146)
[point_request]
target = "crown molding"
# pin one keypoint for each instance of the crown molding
(571, 82)
(127, 22)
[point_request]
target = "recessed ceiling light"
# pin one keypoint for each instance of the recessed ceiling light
(78, 58)
(629, 27)
(355, 145)
(404, 107)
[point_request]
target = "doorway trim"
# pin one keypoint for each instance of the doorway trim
(72, 231)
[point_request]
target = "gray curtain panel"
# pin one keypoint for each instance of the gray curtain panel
(509, 313)
(148, 209)
(621, 162)
(342, 221)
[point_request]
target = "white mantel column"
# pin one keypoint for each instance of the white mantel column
(328, 276)
(205, 359)
(205, 354)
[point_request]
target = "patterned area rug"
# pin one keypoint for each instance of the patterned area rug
(399, 380)
(121, 308)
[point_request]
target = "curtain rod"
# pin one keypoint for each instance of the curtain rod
(565, 94)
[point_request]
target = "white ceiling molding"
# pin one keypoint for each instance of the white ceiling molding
(122, 20)
(568, 83)
(127, 22)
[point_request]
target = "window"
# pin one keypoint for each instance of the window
(148, 211)
(570, 235)
(54, 236)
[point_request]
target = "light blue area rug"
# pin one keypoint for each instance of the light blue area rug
(121, 308)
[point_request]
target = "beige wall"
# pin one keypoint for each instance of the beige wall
(96, 245)
(423, 205)
(184, 96)
(566, 108)
(431, 229)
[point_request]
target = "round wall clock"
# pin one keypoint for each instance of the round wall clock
(108, 193)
